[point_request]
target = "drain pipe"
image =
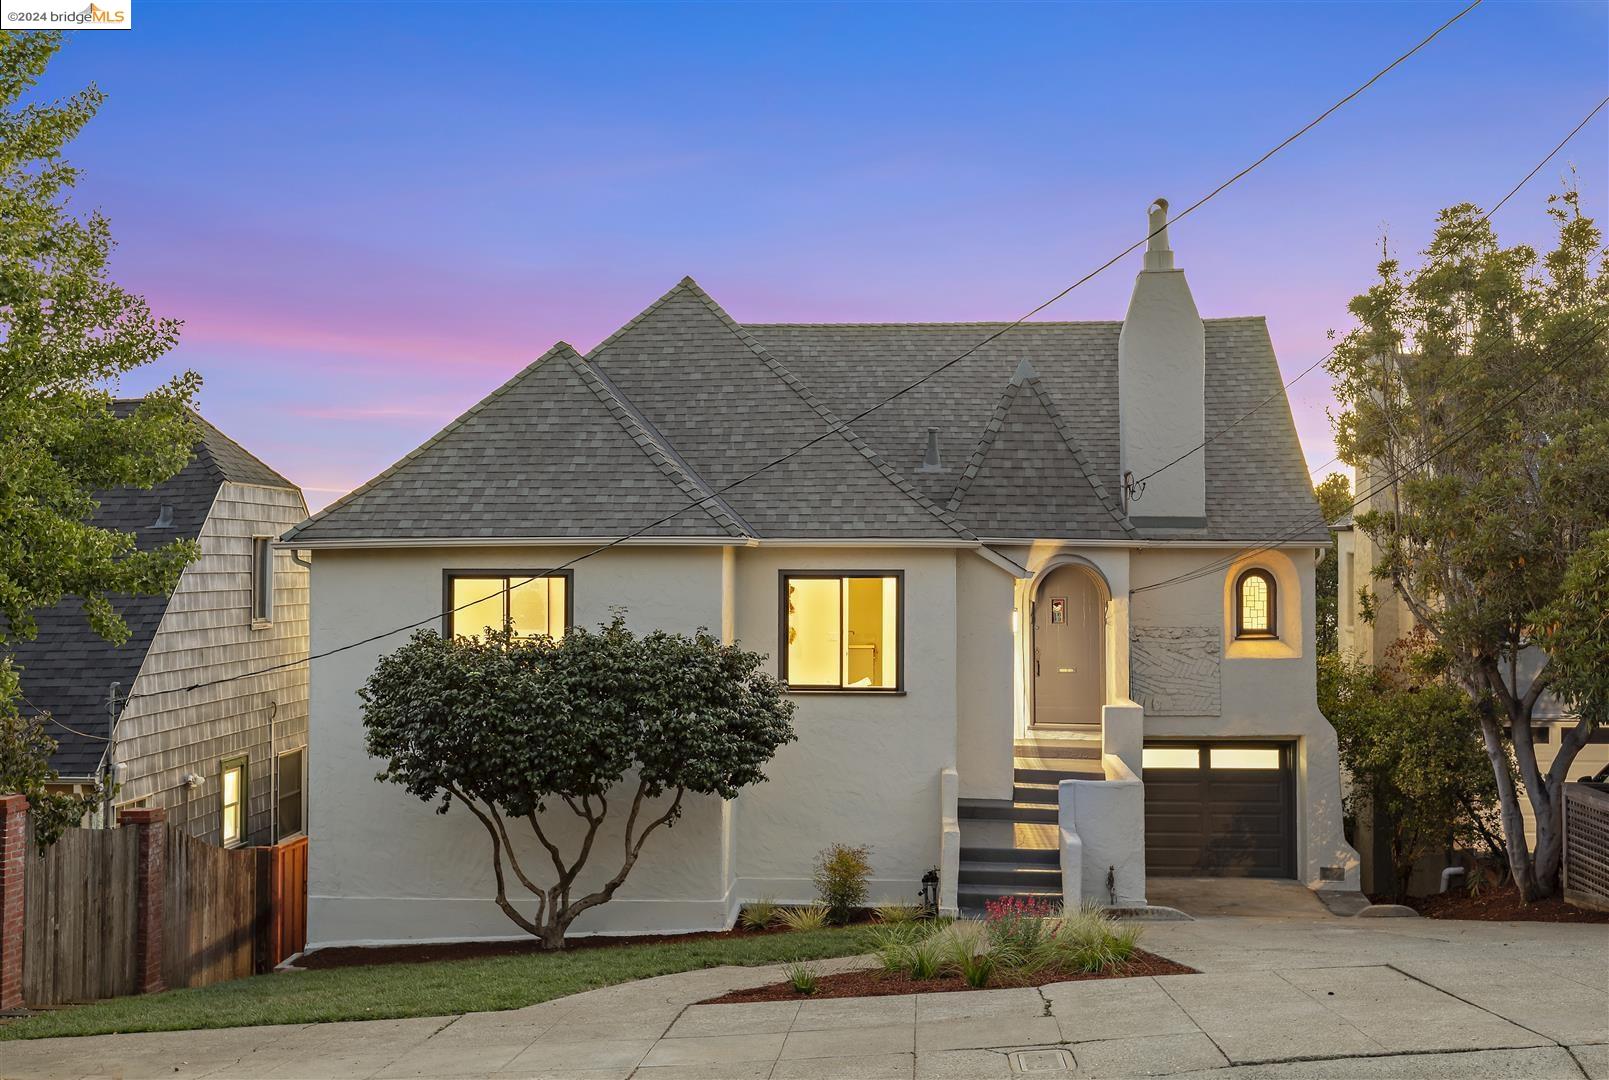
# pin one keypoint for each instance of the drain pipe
(1448, 874)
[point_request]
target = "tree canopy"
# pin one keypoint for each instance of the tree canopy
(1474, 398)
(67, 335)
(527, 727)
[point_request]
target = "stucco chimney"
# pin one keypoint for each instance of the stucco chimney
(1161, 384)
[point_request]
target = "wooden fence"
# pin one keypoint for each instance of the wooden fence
(109, 912)
(1586, 846)
(79, 915)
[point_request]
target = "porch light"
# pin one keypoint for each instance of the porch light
(930, 891)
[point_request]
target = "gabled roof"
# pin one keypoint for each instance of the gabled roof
(711, 403)
(553, 452)
(67, 668)
(1029, 477)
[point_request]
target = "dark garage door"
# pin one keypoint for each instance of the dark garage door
(1220, 809)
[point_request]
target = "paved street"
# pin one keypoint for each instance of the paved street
(1290, 992)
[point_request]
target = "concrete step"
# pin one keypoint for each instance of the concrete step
(1039, 771)
(1018, 855)
(1034, 793)
(972, 897)
(1001, 810)
(1059, 748)
(1019, 878)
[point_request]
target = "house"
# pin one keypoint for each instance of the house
(967, 608)
(1371, 641)
(227, 760)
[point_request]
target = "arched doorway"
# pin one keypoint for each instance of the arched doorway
(1068, 647)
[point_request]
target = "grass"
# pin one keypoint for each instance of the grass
(390, 991)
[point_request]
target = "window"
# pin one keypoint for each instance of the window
(529, 602)
(1244, 757)
(290, 804)
(262, 579)
(232, 808)
(1254, 605)
(842, 631)
(1170, 757)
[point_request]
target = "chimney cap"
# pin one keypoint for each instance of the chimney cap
(1158, 255)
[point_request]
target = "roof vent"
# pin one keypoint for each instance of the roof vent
(932, 460)
(164, 518)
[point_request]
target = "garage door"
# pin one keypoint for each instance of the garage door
(1220, 809)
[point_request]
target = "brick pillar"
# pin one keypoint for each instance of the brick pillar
(152, 838)
(13, 860)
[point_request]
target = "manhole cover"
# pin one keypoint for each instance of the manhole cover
(1041, 1061)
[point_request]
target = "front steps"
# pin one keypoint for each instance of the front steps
(1012, 847)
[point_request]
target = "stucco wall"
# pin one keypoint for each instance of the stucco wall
(984, 623)
(866, 768)
(1266, 692)
(385, 866)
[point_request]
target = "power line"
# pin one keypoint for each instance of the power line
(842, 425)
(1447, 444)
(1221, 432)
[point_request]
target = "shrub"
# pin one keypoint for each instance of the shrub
(809, 917)
(802, 977)
(758, 915)
(893, 941)
(900, 913)
(1018, 923)
(976, 965)
(1088, 941)
(925, 958)
(841, 875)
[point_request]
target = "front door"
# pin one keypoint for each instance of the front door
(1069, 626)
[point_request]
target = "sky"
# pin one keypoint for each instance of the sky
(369, 215)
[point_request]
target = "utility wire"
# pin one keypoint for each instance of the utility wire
(842, 425)
(48, 715)
(1447, 444)
(1137, 483)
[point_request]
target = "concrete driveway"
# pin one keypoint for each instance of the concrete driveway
(1277, 997)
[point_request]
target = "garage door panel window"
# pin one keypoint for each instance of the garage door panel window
(1170, 757)
(1236, 757)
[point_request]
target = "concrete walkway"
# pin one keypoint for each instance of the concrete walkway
(1306, 997)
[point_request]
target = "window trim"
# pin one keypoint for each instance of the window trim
(1243, 634)
(279, 790)
(243, 763)
(448, 576)
(262, 592)
(899, 645)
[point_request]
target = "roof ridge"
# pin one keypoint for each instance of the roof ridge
(843, 430)
(991, 323)
(641, 315)
(659, 449)
(558, 348)
(997, 420)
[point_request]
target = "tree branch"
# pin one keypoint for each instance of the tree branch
(508, 909)
(632, 851)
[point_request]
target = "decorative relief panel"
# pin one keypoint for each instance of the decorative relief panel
(1174, 670)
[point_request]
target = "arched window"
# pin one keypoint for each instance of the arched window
(1254, 605)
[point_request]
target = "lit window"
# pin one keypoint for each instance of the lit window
(233, 802)
(843, 631)
(1254, 605)
(1170, 757)
(262, 578)
(290, 803)
(531, 604)
(1237, 757)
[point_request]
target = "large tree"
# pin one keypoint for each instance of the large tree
(1334, 494)
(528, 727)
(67, 335)
(1474, 399)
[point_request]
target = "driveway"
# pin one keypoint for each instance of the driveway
(1277, 997)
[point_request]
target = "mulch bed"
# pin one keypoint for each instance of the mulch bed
(365, 955)
(879, 983)
(1499, 905)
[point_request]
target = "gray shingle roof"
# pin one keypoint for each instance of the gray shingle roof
(67, 668)
(705, 402)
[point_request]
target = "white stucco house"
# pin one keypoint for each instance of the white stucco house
(1004, 666)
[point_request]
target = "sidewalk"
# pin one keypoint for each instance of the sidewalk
(1276, 998)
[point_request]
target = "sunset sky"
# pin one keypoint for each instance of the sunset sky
(370, 215)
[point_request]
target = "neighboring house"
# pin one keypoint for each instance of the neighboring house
(227, 760)
(952, 585)
(1371, 642)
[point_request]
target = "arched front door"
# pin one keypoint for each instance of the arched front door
(1069, 628)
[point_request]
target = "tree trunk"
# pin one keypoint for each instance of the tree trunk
(1548, 858)
(1519, 858)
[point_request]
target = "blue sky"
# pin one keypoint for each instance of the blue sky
(369, 215)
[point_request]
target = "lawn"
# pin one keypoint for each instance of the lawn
(388, 991)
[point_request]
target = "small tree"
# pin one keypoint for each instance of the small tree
(25, 749)
(514, 727)
(1414, 756)
(1574, 630)
(1476, 395)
